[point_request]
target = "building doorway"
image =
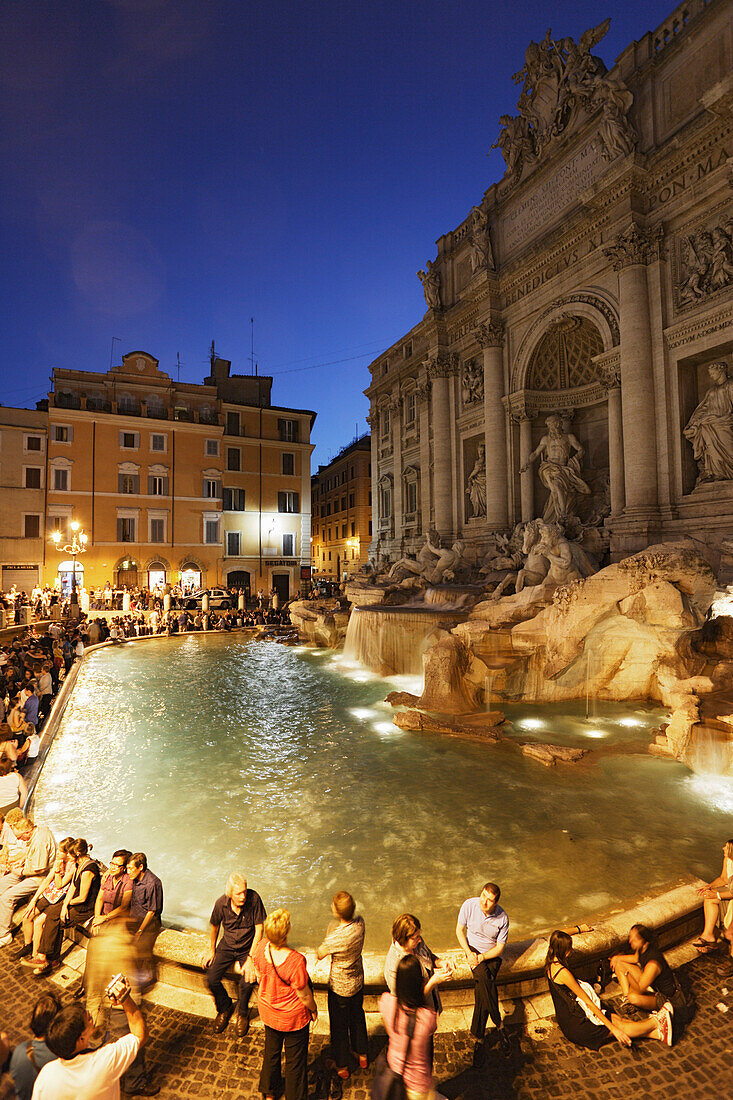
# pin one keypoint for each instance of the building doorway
(156, 576)
(281, 584)
(239, 578)
(190, 578)
(66, 569)
(126, 575)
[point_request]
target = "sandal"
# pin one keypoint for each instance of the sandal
(703, 946)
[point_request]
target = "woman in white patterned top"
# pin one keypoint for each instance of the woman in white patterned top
(344, 942)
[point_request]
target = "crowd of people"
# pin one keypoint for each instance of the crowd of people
(119, 909)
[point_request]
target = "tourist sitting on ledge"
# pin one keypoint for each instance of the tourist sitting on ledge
(646, 979)
(578, 1010)
(49, 897)
(718, 910)
(13, 791)
(407, 940)
(240, 916)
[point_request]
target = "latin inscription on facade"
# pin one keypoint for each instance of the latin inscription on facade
(533, 214)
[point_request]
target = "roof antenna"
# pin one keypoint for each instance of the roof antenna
(252, 345)
(212, 355)
(178, 363)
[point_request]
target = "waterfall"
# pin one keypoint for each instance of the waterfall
(710, 751)
(391, 640)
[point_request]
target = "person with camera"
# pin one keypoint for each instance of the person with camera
(83, 1074)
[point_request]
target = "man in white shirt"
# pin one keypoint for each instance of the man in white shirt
(82, 1074)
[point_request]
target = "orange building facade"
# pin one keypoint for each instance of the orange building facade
(342, 512)
(178, 483)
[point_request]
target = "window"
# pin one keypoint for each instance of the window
(61, 481)
(370, 498)
(343, 504)
(411, 496)
(370, 527)
(157, 485)
(351, 500)
(125, 529)
(343, 530)
(212, 487)
(211, 531)
(232, 423)
(212, 448)
(62, 433)
(329, 555)
(58, 523)
(328, 507)
(234, 540)
(129, 441)
(157, 442)
(288, 546)
(31, 527)
(128, 483)
(33, 443)
(386, 503)
(288, 502)
(407, 350)
(288, 463)
(233, 500)
(157, 530)
(33, 477)
(410, 408)
(353, 530)
(384, 421)
(234, 458)
(288, 430)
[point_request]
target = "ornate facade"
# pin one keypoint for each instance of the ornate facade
(563, 366)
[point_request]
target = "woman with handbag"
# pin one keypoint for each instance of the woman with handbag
(286, 1006)
(405, 1069)
(578, 1010)
(344, 943)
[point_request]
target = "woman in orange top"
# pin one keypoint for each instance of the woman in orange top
(286, 1006)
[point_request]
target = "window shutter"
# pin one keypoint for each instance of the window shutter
(296, 502)
(282, 502)
(165, 486)
(136, 483)
(120, 483)
(120, 533)
(151, 485)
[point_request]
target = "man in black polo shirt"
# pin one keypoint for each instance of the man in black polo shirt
(241, 915)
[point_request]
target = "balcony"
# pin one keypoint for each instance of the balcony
(67, 401)
(129, 408)
(156, 412)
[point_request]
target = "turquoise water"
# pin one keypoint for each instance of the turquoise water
(214, 754)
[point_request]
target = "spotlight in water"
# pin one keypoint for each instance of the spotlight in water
(384, 727)
(631, 722)
(361, 678)
(596, 733)
(532, 724)
(362, 713)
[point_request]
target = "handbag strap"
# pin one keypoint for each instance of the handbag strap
(274, 967)
(411, 1021)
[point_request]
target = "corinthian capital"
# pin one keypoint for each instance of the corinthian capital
(443, 365)
(490, 335)
(635, 245)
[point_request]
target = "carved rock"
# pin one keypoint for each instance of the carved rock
(417, 721)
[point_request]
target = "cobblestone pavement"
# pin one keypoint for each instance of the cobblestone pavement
(188, 1060)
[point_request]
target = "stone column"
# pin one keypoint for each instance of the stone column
(490, 337)
(396, 429)
(526, 479)
(633, 250)
(423, 391)
(615, 441)
(373, 422)
(440, 370)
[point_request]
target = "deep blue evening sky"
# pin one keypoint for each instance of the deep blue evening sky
(173, 167)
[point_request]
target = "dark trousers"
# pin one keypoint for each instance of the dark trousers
(296, 1063)
(136, 1075)
(486, 998)
(348, 1026)
(52, 935)
(217, 968)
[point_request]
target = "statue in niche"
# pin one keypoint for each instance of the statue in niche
(559, 469)
(472, 382)
(430, 280)
(476, 484)
(617, 135)
(710, 428)
(421, 566)
(482, 256)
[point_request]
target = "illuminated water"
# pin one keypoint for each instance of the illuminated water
(215, 753)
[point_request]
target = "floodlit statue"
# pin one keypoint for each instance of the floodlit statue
(617, 135)
(710, 428)
(447, 564)
(476, 484)
(430, 280)
(559, 469)
(425, 562)
(559, 553)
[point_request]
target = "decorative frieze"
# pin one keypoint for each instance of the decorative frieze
(704, 261)
(443, 365)
(490, 334)
(699, 328)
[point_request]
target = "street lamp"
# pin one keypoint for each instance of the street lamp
(75, 548)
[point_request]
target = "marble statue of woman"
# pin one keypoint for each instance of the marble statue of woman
(710, 428)
(431, 285)
(476, 483)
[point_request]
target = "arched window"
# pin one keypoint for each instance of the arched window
(563, 359)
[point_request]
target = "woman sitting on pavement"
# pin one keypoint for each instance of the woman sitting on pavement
(410, 1024)
(407, 940)
(50, 893)
(578, 1010)
(286, 1006)
(646, 979)
(718, 905)
(344, 943)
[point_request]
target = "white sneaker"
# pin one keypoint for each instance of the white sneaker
(5, 941)
(664, 1023)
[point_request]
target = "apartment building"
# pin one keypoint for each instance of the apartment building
(178, 482)
(342, 512)
(23, 439)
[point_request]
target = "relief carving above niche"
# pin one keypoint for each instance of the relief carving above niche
(704, 261)
(472, 382)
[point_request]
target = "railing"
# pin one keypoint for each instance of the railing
(156, 413)
(67, 401)
(675, 23)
